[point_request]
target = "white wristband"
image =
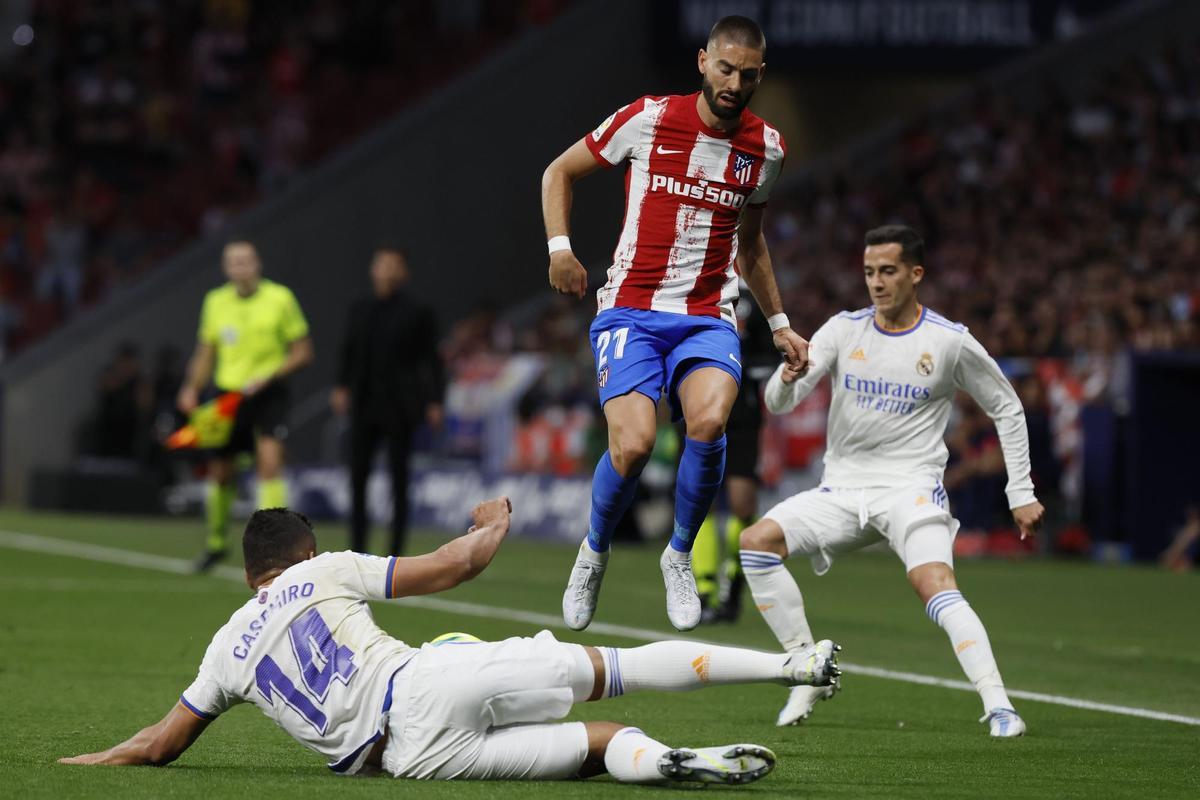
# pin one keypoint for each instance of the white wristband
(557, 243)
(778, 322)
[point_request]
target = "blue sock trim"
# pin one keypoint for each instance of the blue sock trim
(611, 497)
(758, 561)
(942, 602)
(701, 470)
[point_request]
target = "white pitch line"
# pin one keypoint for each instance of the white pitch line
(179, 566)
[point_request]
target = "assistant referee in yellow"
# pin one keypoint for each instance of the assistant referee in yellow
(252, 336)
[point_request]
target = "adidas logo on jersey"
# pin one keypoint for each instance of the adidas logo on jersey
(858, 355)
(700, 190)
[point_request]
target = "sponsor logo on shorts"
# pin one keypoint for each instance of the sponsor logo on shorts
(602, 378)
(925, 365)
(922, 500)
(765, 606)
(701, 667)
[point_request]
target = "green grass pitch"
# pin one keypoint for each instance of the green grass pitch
(90, 652)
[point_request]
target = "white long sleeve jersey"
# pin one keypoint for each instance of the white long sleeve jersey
(892, 396)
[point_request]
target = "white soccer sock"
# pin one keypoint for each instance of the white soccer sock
(682, 666)
(632, 757)
(777, 596)
(970, 641)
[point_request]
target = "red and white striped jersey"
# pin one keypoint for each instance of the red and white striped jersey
(685, 190)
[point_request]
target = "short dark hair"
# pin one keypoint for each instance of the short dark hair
(741, 30)
(276, 538)
(912, 246)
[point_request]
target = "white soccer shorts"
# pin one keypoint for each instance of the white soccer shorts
(478, 711)
(824, 522)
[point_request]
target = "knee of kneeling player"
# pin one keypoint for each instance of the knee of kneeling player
(764, 536)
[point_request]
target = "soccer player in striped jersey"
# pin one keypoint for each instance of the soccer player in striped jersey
(895, 368)
(306, 651)
(699, 170)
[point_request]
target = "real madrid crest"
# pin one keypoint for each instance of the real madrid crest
(925, 365)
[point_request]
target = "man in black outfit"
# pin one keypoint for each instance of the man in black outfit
(389, 380)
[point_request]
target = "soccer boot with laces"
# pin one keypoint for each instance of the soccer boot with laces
(814, 664)
(732, 764)
(1004, 722)
(683, 601)
(583, 587)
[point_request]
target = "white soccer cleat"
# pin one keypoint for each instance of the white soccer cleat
(583, 587)
(731, 764)
(801, 700)
(683, 601)
(814, 664)
(1004, 722)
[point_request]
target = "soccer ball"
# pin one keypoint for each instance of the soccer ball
(456, 637)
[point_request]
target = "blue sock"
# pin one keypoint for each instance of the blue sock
(611, 496)
(701, 470)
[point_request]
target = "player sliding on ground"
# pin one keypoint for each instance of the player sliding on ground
(306, 650)
(895, 368)
(700, 169)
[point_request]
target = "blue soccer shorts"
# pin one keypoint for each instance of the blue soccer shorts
(651, 352)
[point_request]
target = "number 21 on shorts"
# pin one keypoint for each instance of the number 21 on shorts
(604, 340)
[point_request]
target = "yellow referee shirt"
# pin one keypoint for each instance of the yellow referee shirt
(251, 334)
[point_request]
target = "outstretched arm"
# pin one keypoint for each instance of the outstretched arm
(156, 746)
(754, 263)
(980, 376)
(567, 275)
(459, 560)
(788, 386)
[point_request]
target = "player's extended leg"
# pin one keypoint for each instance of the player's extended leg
(778, 597)
(935, 584)
(706, 396)
(219, 494)
(268, 457)
(632, 424)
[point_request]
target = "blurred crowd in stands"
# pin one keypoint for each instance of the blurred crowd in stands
(127, 129)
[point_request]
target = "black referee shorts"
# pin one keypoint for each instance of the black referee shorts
(263, 414)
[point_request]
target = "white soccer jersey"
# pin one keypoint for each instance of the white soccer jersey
(307, 651)
(892, 394)
(685, 191)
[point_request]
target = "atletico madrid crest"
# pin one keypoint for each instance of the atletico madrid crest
(602, 378)
(742, 165)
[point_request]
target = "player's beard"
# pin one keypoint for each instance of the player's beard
(719, 111)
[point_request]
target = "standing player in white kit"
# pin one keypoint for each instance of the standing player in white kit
(306, 650)
(895, 368)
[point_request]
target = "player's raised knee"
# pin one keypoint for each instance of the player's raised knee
(764, 536)
(706, 425)
(630, 450)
